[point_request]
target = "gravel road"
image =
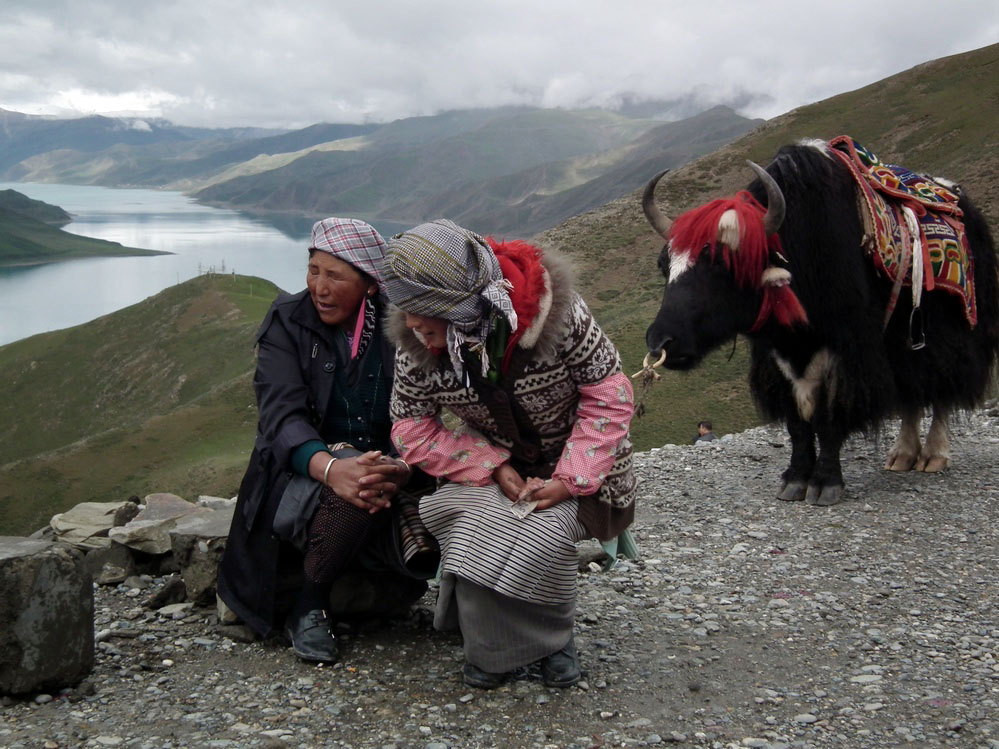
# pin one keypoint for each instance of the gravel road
(746, 622)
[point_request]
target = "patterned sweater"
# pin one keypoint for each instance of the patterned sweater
(568, 387)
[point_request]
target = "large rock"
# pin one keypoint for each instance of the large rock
(86, 525)
(112, 565)
(149, 531)
(46, 616)
(198, 541)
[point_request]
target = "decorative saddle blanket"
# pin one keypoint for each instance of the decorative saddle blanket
(912, 227)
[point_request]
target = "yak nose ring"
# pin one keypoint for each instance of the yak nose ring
(648, 369)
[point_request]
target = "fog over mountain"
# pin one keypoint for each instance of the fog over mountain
(261, 64)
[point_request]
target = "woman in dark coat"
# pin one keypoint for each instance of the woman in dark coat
(316, 496)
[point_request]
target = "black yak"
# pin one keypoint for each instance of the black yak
(799, 264)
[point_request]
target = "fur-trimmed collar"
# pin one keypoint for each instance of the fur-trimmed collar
(543, 334)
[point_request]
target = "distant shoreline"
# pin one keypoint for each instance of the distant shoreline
(132, 252)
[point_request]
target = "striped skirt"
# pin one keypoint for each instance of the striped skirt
(531, 559)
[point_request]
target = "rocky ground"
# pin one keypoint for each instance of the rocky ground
(745, 623)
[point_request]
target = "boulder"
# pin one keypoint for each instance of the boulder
(149, 531)
(110, 565)
(47, 616)
(86, 525)
(198, 541)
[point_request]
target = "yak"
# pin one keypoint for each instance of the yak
(799, 263)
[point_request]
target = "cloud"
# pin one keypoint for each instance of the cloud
(256, 62)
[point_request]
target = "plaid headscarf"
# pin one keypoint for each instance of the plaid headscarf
(352, 241)
(439, 269)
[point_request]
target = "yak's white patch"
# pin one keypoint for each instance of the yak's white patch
(806, 388)
(819, 145)
(679, 263)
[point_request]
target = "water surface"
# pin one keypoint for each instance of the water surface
(36, 299)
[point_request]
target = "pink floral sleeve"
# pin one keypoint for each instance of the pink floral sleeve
(461, 455)
(602, 420)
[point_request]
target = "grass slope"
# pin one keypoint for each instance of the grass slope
(938, 117)
(157, 397)
(39, 210)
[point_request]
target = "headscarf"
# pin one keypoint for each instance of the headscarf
(439, 269)
(358, 244)
(352, 241)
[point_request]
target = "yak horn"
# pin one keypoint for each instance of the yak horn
(660, 222)
(775, 200)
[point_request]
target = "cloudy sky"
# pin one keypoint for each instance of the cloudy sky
(268, 63)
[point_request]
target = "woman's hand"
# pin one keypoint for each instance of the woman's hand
(366, 481)
(509, 481)
(386, 475)
(550, 494)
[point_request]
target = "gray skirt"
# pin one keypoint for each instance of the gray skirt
(508, 583)
(532, 559)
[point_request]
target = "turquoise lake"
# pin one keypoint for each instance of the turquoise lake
(40, 298)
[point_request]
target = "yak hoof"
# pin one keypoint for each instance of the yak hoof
(792, 491)
(931, 463)
(824, 496)
(898, 461)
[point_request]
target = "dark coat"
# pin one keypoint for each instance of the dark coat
(297, 361)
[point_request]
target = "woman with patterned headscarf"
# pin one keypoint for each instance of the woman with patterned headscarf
(540, 459)
(317, 494)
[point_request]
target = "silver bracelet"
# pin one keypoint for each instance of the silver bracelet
(326, 473)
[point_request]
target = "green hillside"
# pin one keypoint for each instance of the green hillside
(153, 397)
(27, 236)
(937, 117)
(39, 210)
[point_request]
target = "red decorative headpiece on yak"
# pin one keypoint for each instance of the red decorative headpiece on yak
(744, 234)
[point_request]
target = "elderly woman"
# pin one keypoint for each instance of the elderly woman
(317, 494)
(541, 459)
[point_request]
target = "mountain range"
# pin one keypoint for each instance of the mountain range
(509, 170)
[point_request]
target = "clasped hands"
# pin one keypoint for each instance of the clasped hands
(518, 489)
(367, 481)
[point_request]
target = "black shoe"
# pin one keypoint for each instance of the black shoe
(311, 637)
(476, 677)
(561, 669)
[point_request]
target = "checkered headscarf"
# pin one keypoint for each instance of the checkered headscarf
(352, 241)
(439, 269)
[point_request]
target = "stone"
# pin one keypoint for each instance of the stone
(86, 526)
(226, 615)
(111, 564)
(590, 552)
(173, 590)
(197, 541)
(149, 531)
(47, 616)
(216, 503)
